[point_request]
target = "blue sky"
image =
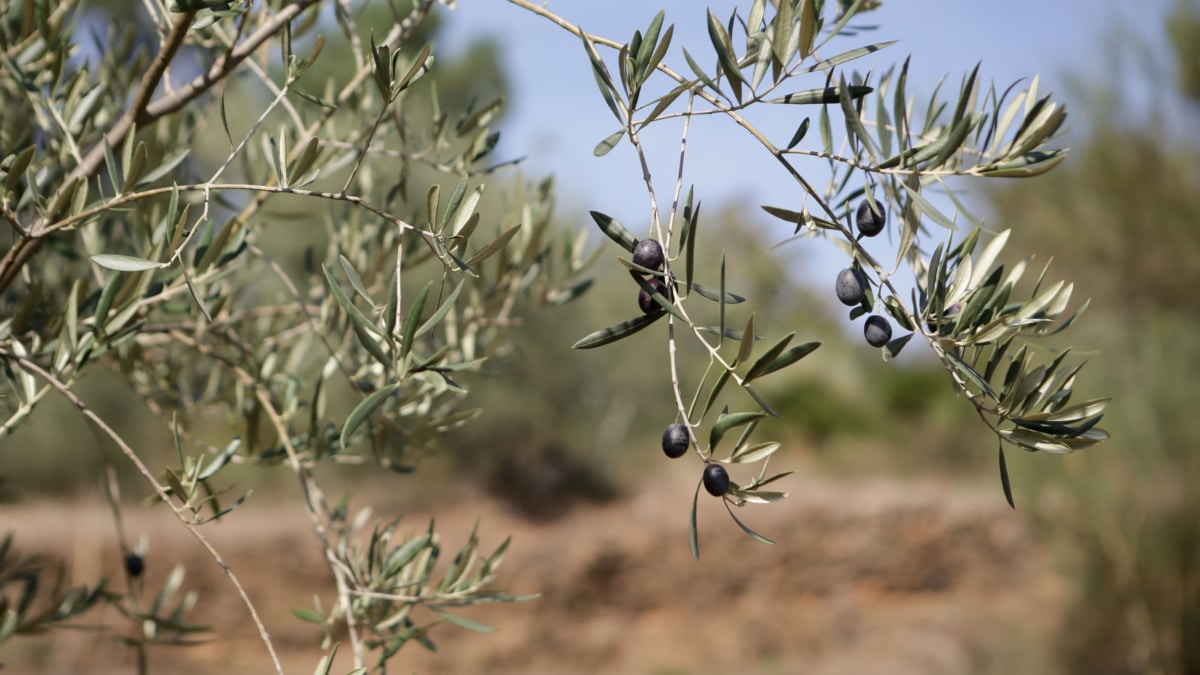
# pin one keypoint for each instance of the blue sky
(558, 116)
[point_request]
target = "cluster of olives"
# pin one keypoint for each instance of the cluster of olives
(675, 443)
(851, 286)
(649, 254)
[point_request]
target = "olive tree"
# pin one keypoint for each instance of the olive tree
(138, 205)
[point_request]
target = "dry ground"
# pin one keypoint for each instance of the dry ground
(869, 576)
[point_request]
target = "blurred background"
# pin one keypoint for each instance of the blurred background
(897, 552)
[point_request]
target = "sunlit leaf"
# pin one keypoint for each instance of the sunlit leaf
(124, 263)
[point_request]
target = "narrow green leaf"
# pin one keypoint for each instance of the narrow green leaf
(187, 278)
(799, 135)
(615, 230)
(72, 320)
(847, 13)
(110, 165)
(826, 133)
(464, 212)
(617, 332)
(127, 153)
(17, 170)
(355, 280)
(1032, 440)
(892, 348)
(753, 453)
(1004, 482)
(1074, 413)
(436, 318)
(603, 80)
(756, 536)
(463, 622)
(494, 246)
(124, 263)
(1032, 163)
(965, 370)
(757, 496)
(104, 304)
(767, 359)
(656, 58)
(854, 125)
(399, 558)
(747, 344)
(356, 315)
(847, 56)
(693, 230)
(731, 333)
(220, 460)
(699, 72)
(452, 206)
(661, 104)
(411, 319)
(946, 145)
(808, 27)
(305, 160)
(609, 142)
(642, 59)
(715, 295)
(365, 409)
(727, 421)
(136, 166)
(721, 304)
(312, 617)
(693, 531)
(419, 67)
(725, 54)
(789, 357)
(715, 391)
(928, 209)
(824, 95)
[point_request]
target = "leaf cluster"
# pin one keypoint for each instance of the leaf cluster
(145, 226)
(893, 156)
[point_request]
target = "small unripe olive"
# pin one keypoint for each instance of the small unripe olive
(134, 565)
(877, 331)
(649, 254)
(675, 440)
(870, 218)
(646, 302)
(716, 480)
(850, 287)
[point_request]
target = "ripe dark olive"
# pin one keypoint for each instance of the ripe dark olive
(134, 565)
(870, 218)
(877, 331)
(649, 254)
(851, 289)
(716, 480)
(646, 302)
(675, 440)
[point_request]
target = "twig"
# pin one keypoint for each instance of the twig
(159, 488)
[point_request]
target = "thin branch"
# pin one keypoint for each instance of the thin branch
(159, 488)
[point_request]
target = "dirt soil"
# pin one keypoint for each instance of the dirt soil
(869, 576)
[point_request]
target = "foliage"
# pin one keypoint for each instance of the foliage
(139, 250)
(895, 158)
(1127, 518)
(140, 202)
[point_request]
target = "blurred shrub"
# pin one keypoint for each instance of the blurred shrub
(1120, 219)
